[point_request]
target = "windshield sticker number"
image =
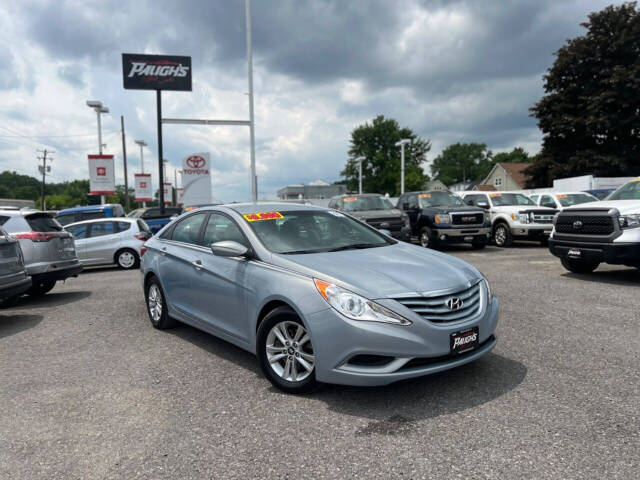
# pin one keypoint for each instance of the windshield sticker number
(350, 199)
(424, 195)
(492, 195)
(256, 217)
(561, 195)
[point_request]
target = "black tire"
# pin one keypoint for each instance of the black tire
(40, 287)
(544, 242)
(162, 321)
(579, 266)
(273, 318)
(502, 235)
(10, 301)
(127, 259)
(427, 239)
(479, 244)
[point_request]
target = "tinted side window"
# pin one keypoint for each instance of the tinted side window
(220, 228)
(78, 231)
(100, 229)
(151, 213)
(142, 226)
(92, 215)
(3, 220)
(547, 201)
(470, 199)
(188, 229)
(122, 226)
(413, 201)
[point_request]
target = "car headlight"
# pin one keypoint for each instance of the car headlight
(356, 307)
(629, 221)
(520, 217)
(443, 218)
(405, 219)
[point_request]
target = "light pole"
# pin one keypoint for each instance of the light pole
(252, 135)
(359, 160)
(142, 144)
(401, 144)
(99, 109)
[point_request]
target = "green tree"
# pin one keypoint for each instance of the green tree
(590, 113)
(517, 155)
(462, 161)
(381, 168)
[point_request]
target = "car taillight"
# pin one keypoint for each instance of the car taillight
(37, 236)
(143, 236)
(143, 250)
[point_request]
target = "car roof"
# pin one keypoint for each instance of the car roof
(87, 208)
(23, 212)
(244, 208)
(357, 195)
(426, 191)
(98, 220)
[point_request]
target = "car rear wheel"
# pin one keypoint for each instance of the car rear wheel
(157, 306)
(502, 236)
(41, 287)
(127, 259)
(285, 352)
(579, 266)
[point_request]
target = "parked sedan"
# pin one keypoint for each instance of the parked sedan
(105, 242)
(49, 254)
(317, 295)
(14, 279)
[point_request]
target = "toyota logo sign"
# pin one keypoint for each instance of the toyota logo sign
(454, 303)
(577, 224)
(196, 161)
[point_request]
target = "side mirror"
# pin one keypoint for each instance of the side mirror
(384, 231)
(229, 248)
(484, 205)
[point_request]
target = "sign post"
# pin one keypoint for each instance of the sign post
(196, 179)
(157, 72)
(144, 191)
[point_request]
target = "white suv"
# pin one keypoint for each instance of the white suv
(514, 216)
(584, 236)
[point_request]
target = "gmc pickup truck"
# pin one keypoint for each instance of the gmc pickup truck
(587, 235)
(439, 217)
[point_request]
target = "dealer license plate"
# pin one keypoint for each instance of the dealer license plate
(574, 253)
(464, 340)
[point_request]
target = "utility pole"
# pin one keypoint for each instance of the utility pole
(401, 144)
(359, 160)
(252, 135)
(44, 169)
(124, 159)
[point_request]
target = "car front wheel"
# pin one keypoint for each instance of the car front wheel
(579, 266)
(285, 352)
(502, 236)
(157, 306)
(427, 239)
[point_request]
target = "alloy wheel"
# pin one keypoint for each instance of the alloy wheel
(289, 351)
(155, 302)
(424, 239)
(126, 259)
(500, 236)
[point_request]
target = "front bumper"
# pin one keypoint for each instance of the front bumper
(15, 288)
(534, 231)
(612, 253)
(458, 235)
(415, 350)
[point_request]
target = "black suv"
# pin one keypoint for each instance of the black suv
(438, 217)
(375, 210)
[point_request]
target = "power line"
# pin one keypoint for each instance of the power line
(44, 168)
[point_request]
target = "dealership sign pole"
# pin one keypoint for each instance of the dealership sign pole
(157, 72)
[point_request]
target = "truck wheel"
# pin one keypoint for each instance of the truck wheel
(579, 266)
(544, 242)
(426, 238)
(502, 235)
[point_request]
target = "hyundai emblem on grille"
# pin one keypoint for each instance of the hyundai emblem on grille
(454, 303)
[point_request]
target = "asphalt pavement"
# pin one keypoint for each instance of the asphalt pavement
(89, 390)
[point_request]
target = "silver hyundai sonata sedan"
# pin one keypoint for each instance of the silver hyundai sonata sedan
(317, 295)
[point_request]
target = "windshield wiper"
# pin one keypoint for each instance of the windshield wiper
(296, 252)
(355, 246)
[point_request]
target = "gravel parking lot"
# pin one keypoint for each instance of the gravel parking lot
(88, 389)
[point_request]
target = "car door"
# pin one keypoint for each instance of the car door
(180, 250)
(101, 243)
(79, 233)
(225, 293)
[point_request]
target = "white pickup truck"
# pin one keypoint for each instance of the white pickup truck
(514, 216)
(584, 236)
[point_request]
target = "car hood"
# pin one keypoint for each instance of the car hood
(364, 214)
(623, 206)
(520, 208)
(384, 271)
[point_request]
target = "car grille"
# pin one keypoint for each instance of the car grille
(543, 217)
(584, 224)
(435, 308)
(467, 218)
(392, 224)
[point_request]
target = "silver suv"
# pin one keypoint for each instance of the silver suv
(49, 252)
(13, 277)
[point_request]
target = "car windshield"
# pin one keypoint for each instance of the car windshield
(509, 199)
(135, 213)
(312, 231)
(359, 204)
(439, 199)
(568, 199)
(629, 191)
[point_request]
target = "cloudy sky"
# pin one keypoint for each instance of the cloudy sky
(451, 70)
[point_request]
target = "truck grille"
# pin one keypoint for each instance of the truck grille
(584, 224)
(543, 218)
(435, 308)
(392, 224)
(467, 218)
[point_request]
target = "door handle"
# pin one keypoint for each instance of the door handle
(197, 264)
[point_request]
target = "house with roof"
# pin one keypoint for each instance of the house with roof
(506, 176)
(434, 185)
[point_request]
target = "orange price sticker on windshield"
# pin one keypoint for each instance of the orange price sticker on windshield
(256, 217)
(350, 199)
(424, 195)
(495, 195)
(561, 195)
